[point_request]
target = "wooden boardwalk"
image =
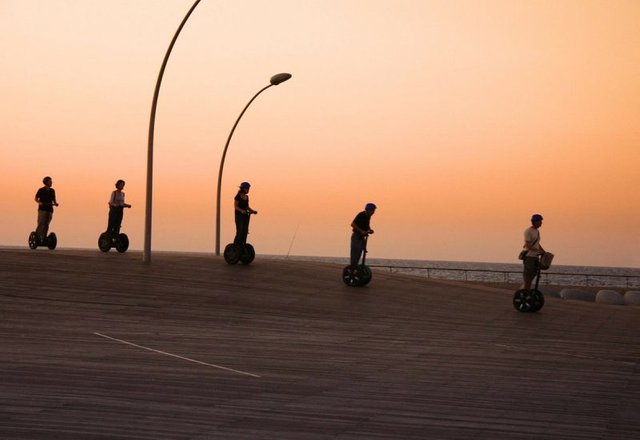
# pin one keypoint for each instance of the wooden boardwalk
(100, 346)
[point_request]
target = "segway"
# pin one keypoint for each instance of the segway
(532, 300)
(358, 275)
(107, 240)
(234, 253)
(243, 253)
(51, 241)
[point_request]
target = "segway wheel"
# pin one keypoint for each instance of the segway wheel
(33, 240)
(104, 242)
(232, 253)
(538, 301)
(365, 274)
(523, 300)
(52, 241)
(248, 254)
(352, 276)
(122, 243)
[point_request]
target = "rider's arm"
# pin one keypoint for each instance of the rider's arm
(112, 200)
(357, 228)
(531, 237)
(236, 205)
(528, 245)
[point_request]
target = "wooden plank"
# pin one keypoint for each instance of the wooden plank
(402, 358)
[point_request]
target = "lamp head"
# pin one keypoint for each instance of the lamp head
(279, 78)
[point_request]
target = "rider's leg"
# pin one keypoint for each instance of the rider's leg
(357, 244)
(530, 271)
(242, 229)
(44, 218)
(117, 221)
(112, 220)
(245, 230)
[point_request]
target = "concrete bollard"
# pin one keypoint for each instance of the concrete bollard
(632, 297)
(577, 294)
(549, 292)
(609, 297)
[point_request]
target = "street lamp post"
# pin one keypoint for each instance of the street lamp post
(146, 254)
(274, 81)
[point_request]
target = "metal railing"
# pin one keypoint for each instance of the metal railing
(513, 276)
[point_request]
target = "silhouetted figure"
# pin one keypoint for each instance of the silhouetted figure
(361, 228)
(46, 200)
(116, 209)
(242, 213)
(533, 248)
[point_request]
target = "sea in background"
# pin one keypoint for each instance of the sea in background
(593, 276)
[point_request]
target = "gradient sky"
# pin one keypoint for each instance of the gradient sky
(459, 119)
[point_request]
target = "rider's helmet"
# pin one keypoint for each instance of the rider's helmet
(245, 185)
(536, 217)
(370, 207)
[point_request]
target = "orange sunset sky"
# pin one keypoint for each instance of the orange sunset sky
(459, 119)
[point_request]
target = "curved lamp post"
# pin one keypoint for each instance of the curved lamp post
(146, 255)
(274, 81)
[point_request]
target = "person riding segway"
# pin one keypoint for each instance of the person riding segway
(46, 200)
(356, 273)
(112, 236)
(534, 259)
(240, 250)
(532, 300)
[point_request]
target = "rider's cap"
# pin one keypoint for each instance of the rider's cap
(245, 185)
(536, 217)
(370, 207)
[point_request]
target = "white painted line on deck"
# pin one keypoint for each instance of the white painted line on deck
(175, 355)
